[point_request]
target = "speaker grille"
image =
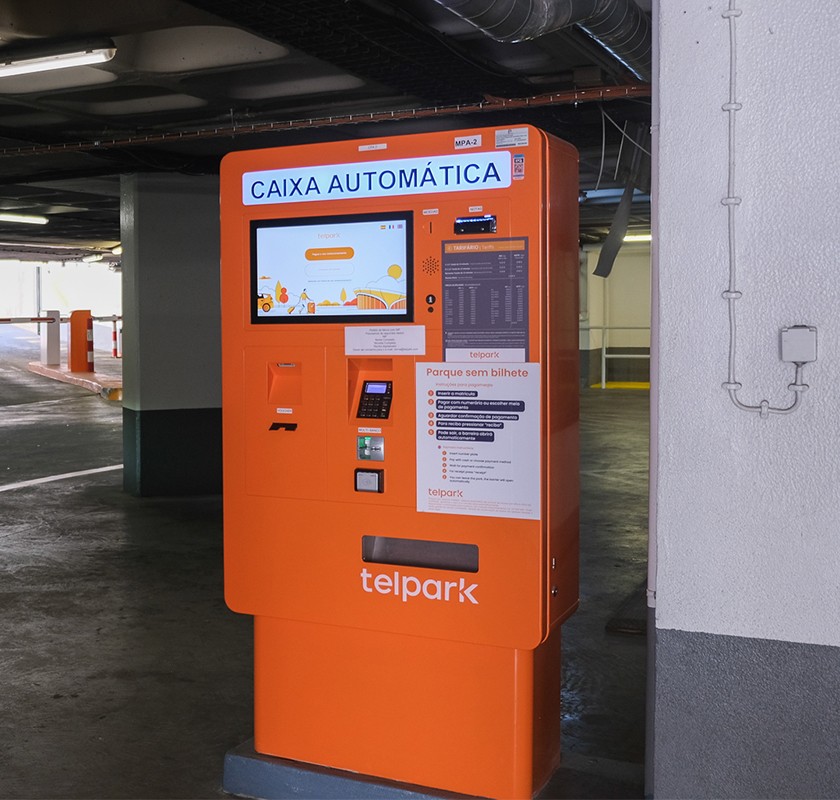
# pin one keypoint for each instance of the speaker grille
(431, 266)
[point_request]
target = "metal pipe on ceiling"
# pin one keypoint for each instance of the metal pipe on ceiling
(571, 96)
(619, 26)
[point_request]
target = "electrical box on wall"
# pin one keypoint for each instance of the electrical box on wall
(400, 361)
(799, 344)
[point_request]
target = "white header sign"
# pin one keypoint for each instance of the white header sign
(458, 172)
(478, 439)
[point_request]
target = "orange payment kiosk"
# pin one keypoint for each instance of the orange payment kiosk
(400, 382)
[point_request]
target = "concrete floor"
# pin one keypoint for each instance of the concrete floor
(124, 675)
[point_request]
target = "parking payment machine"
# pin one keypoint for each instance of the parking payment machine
(400, 361)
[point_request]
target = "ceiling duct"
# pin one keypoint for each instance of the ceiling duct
(620, 26)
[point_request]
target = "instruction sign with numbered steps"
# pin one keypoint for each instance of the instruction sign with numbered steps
(478, 439)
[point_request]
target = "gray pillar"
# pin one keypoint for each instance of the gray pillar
(171, 335)
(744, 509)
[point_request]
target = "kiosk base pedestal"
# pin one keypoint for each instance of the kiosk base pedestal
(251, 774)
(470, 719)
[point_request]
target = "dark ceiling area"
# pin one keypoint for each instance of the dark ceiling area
(191, 81)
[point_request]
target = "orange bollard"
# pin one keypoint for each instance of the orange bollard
(80, 344)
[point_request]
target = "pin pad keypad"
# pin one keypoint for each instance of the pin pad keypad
(375, 400)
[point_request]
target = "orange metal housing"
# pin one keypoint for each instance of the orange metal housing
(430, 682)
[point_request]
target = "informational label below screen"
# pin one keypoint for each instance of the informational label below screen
(485, 299)
(377, 340)
(478, 439)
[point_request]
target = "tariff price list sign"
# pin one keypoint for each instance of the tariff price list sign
(478, 439)
(485, 300)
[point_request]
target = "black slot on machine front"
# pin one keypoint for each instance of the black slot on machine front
(472, 225)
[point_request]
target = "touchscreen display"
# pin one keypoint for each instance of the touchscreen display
(351, 268)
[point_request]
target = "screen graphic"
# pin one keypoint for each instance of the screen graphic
(352, 268)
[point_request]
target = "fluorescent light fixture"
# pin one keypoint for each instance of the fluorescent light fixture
(637, 237)
(24, 60)
(29, 219)
(93, 258)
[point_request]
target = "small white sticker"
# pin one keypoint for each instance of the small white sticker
(512, 137)
(466, 142)
(400, 340)
(370, 430)
(285, 411)
(476, 209)
(430, 212)
(378, 146)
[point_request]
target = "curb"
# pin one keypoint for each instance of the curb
(107, 387)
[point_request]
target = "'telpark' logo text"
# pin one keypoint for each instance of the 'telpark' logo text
(407, 587)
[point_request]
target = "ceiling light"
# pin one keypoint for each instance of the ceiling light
(29, 219)
(93, 258)
(24, 60)
(40, 246)
(637, 237)
(117, 251)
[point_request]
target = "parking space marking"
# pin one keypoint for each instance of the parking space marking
(49, 479)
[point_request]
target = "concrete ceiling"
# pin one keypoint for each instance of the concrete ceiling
(193, 80)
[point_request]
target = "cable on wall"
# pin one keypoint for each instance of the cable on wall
(798, 343)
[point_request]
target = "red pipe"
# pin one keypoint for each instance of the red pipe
(594, 94)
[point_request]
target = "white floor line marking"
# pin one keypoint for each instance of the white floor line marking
(23, 484)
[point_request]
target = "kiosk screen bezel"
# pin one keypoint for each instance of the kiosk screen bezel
(406, 315)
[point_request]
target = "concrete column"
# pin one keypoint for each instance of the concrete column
(171, 335)
(745, 510)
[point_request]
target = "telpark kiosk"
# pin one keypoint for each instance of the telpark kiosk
(400, 361)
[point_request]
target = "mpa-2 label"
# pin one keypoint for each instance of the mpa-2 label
(466, 142)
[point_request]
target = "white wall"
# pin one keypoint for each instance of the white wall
(73, 286)
(18, 291)
(747, 509)
(65, 287)
(627, 293)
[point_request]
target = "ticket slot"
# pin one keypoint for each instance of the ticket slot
(285, 383)
(420, 553)
(470, 225)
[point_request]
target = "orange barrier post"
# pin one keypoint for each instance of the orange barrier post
(115, 353)
(80, 345)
